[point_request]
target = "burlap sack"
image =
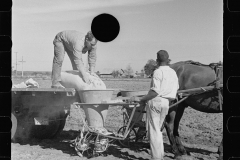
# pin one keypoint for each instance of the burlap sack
(71, 79)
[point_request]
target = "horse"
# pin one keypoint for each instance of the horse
(193, 75)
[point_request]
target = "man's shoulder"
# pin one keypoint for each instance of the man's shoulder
(72, 35)
(157, 70)
(164, 68)
(161, 69)
(168, 70)
(173, 72)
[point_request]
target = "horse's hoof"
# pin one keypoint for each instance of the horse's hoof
(183, 157)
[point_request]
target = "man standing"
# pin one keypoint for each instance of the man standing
(164, 86)
(75, 44)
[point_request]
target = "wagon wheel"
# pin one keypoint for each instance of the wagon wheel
(14, 125)
(46, 131)
(131, 137)
(63, 117)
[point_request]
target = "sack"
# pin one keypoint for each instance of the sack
(30, 83)
(71, 79)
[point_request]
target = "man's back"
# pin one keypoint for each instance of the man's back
(71, 37)
(165, 82)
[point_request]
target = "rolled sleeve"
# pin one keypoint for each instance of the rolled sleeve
(92, 56)
(156, 81)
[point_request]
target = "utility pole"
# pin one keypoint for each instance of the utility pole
(22, 65)
(16, 63)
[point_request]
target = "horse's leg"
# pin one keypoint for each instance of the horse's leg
(179, 114)
(169, 124)
(220, 151)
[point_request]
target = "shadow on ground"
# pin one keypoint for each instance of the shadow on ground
(62, 142)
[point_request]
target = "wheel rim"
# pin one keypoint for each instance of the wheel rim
(14, 126)
(131, 137)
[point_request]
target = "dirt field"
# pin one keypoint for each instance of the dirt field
(201, 134)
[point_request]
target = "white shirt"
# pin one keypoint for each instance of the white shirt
(165, 82)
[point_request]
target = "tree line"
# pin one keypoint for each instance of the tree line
(128, 72)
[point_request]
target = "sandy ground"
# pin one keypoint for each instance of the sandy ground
(201, 134)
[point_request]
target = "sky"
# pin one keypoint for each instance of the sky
(187, 29)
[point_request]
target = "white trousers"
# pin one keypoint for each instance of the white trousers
(157, 109)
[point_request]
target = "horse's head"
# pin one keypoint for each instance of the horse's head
(218, 68)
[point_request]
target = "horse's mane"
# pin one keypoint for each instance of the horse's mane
(212, 65)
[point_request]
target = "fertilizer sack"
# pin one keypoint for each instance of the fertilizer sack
(71, 79)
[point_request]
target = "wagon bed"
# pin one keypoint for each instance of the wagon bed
(40, 112)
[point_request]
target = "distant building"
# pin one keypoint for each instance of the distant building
(139, 75)
(106, 75)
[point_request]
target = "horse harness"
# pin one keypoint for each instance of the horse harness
(217, 70)
(217, 67)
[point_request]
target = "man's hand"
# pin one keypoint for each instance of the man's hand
(134, 99)
(86, 79)
(84, 50)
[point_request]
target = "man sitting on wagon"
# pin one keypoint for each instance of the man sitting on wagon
(164, 86)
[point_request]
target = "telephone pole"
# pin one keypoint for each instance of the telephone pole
(16, 63)
(22, 65)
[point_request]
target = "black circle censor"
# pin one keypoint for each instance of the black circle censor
(105, 27)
